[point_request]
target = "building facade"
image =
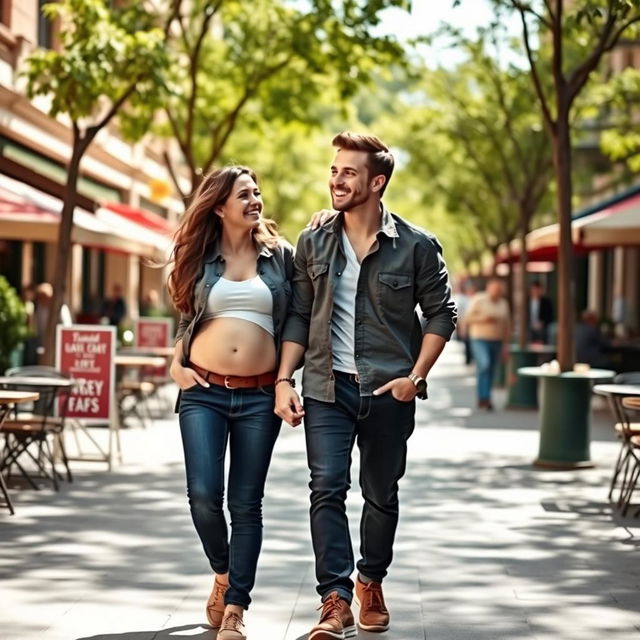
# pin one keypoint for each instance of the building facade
(120, 225)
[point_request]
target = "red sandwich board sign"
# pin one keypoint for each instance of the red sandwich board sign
(154, 332)
(86, 353)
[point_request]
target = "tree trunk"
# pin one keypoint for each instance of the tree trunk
(510, 276)
(566, 284)
(523, 325)
(63, 251)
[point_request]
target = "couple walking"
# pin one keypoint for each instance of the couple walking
(345, 306)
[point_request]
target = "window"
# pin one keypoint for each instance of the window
(45, 27)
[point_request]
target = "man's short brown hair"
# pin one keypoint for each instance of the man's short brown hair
(379, 159)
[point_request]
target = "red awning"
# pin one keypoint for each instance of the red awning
(614, 226)
(142, 217)
(28, 214)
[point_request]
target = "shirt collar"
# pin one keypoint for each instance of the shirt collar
(215, 254)
(387, 223)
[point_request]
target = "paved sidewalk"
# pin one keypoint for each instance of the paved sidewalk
(487, 548)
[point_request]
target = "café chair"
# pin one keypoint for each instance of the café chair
(37, 427)
(632, 469)
(133, 398)
(625, 430)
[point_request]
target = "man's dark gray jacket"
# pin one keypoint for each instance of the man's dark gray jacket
(404, 268)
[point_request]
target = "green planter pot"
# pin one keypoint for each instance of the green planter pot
(523, 390)
(565, 416)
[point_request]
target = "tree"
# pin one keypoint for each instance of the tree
(236, 62)
(482, 118)
(14, 326)
(106, 58)
(616, 103)
(577, 35)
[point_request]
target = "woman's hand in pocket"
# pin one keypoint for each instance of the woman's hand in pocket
(185, 377)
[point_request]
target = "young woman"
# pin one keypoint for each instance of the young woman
(231, 283)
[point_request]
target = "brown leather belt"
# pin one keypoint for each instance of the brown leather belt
(235, 382)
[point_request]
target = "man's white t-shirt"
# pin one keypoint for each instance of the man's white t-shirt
(344, 311)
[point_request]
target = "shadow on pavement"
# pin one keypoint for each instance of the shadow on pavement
(193, 632)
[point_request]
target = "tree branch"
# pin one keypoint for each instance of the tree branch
(579, 76)
(184, 147)
(194, 64)
(115, 106)
(225, 127)
(176, 5)
(534, 69)
(529, 9)
(174, 176)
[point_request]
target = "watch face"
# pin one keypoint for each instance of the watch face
(421, 386)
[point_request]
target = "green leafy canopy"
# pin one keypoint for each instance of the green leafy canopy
(101, 53)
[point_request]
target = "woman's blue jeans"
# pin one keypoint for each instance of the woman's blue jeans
(209, 418)
(486, 353)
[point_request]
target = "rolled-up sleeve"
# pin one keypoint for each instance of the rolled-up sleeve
(296, 328)
(433, 290)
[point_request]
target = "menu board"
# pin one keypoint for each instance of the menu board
(86, 354)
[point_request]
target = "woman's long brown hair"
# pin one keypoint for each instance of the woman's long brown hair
(198, 230)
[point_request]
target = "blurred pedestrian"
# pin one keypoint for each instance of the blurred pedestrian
(463, 298)
(151, 306)
(231, 283)
(591, 343)
(489, 324)
(540, 313)
(114, 308)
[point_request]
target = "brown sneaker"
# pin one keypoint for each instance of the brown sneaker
(373, 612)
(215, 604)
(232, 628)
(336, 620)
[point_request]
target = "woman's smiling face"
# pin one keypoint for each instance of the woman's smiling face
(243, 207)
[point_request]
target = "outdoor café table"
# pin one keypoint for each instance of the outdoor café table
(165, 352)
(136, 361)
(615, 394)
(46, 385)
(565, 415)
(135, 386)
(7, 399)
(523, 390)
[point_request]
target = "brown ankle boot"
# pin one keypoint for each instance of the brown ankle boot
(373, 612)
(336, 620)
(215, 604)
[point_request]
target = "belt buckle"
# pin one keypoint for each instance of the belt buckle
(226, 383)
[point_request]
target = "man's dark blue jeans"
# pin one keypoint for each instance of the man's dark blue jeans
(381, 426)
(209, 417)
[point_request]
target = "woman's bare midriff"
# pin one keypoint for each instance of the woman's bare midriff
(233, 347)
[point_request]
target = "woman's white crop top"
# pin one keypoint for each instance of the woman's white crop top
(247, 300)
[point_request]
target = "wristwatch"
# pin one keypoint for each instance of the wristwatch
(421, 385)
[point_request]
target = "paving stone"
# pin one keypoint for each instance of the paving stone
(487, 546)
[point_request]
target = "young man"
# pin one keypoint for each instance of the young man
(356, 284)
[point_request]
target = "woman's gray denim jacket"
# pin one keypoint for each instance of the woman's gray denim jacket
(275, 267)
